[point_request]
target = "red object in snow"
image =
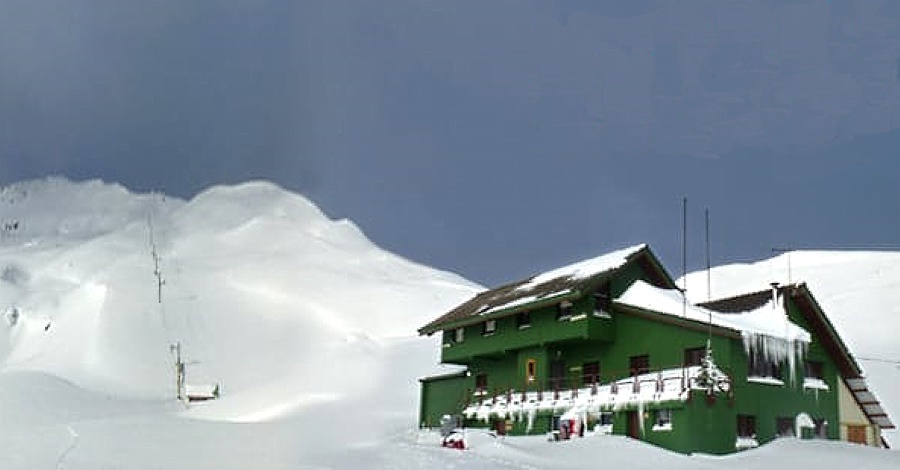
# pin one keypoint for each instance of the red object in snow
(455, 440)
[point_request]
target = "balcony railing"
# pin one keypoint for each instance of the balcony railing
(664, 385)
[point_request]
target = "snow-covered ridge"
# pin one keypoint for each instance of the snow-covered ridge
(260, 287)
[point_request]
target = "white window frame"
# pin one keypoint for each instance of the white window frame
(662, 420)
(490, 327)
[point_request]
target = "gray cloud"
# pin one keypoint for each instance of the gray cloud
(133, 90)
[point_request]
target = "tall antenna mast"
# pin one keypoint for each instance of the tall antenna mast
(684, 258)
(708, 262)
(708, 287)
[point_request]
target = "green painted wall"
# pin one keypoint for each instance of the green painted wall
(544, 328)
(443, 395)
(697, 425)
(768, 402)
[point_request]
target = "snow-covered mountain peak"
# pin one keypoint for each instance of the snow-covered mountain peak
(223, 207)
(253, 281)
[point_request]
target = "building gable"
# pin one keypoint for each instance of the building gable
(823, 330)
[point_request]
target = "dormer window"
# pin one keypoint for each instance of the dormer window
(489, 327)
(523, 320)
(564, 310)
(459, 335)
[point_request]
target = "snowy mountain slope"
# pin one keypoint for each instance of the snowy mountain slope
(257, 281)
(308, 326)
(858, 290)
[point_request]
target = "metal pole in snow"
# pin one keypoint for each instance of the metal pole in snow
(708, 262)
(684, 258)
(179, 371)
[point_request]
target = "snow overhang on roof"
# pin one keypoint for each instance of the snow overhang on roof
(769, 319)
(552, 286)
(869, 404)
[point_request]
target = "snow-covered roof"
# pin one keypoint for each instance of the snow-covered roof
(770, 319)
(553, 285)
(584, 269)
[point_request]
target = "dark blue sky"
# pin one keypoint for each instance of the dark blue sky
(491, 138)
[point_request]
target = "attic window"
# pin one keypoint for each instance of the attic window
(815, 370)
(489, 327)
(564, 310)
(523, 320)
(759, 366)
(459, 335)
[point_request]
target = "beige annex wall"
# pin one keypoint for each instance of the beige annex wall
(852, 415)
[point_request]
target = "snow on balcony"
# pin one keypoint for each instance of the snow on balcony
(664, 386)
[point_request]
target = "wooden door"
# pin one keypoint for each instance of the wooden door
(557, 374)
(634, 425)
(856, 434)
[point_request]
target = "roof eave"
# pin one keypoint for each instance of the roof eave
(502, 313)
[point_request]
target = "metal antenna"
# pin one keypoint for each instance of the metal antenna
(708, 286)
(708, 262)
(684, 259)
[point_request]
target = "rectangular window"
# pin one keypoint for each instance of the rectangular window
(481, 382)
(489, 327)
(746, 426)
(523, 320)
(639, 364)
(459, 335)
(662, 420)
(759, 366)
(601, 301)
(564, 310)
(821, 429)
(784, 427)
(531, 370)
(694, 356)
(606, 419)
(590, 373)
(815, 370)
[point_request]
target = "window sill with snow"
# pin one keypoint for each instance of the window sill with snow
(774, 381)
(815, 384)
(745, 443)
